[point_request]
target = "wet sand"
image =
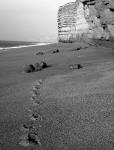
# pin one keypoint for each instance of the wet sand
(60, 85)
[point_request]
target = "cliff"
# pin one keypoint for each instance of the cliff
(85, 20)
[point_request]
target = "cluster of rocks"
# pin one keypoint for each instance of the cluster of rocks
(40, 53)
(56, 51)
(86, 20)
(36, 67)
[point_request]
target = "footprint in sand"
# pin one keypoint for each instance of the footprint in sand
(27, 127)
(30, 138)
(34, 101)
(35, 116)
(37, 84)
(36, 93)
(34, 139)
(24, 140)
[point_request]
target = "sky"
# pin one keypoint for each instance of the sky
(29, 20)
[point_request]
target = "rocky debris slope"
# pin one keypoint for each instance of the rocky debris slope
(86, 19)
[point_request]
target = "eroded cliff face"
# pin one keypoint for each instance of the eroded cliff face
(85, 20)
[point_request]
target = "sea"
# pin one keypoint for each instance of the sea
(7, 45)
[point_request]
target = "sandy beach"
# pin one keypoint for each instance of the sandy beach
(77, 106)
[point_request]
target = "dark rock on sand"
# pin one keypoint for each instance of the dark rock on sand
(43, 64)
(79, 66)
(37, 67)
(29, 68)
(78, 48)
(40, 53)
(76, 66)
(56, 51)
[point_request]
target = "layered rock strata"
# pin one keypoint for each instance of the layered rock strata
(86, 19)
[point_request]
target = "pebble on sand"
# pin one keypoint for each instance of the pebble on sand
(76, 66)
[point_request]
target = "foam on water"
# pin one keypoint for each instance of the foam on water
(22, 46)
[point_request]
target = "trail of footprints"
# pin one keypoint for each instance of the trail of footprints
(29, 131)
